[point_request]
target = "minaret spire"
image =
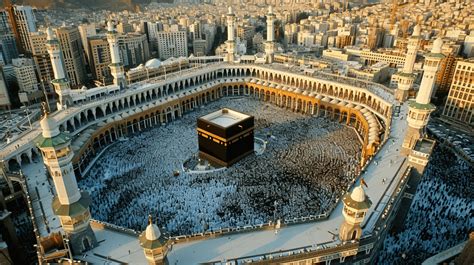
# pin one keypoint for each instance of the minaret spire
(406, 76)
(420, 109)
(270, 43)
(69, 204)
(231, 52)
(154, 244)
(61, 82)
(116, 66)
(356, 205)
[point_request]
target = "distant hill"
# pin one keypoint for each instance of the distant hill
(92, 4)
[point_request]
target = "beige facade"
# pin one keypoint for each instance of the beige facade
(41, 58)
(24, 70)
(460, 103)
(100, 58)
(172, 44)
(71, 47)
(4, 97)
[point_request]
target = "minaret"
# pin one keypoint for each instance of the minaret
(356, 205)
(270, 43)
(406, 76)
(69, 204)
(420, 109)
(230, 35)
(116, 66)
(61, 83)
(154, 244)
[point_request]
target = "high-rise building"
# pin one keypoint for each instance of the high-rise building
(8, 45)
(172, 44)
(86, 30)
(468, 50)
(151, 30)
(246, 32)
(41, 58)
(134, 49)
(25, 74)
(374, 37)
(459, 106)
(199, 47)
(23, 22)
(71, 46)
(5, 102)
(124, 27)
(100, 58)
(446, 68)
(195, 31)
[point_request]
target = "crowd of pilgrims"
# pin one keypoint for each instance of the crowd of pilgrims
(440, 216)
(308, 163)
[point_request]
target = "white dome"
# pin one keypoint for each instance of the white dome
(358, 194)
(49, 126)
(437, 44)
(230, 11)
(416, 31)
(152, 232)
(153, 63)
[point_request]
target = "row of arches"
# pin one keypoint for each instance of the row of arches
(169, 111)
(183, 87)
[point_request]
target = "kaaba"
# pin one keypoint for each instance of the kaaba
(225, 136)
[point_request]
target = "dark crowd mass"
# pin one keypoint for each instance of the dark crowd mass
(441, 215)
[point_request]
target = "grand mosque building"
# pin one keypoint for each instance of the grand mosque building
(393, 149)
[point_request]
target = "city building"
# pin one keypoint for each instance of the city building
(172, 44)
(8, 44)
(133, 48)
(459, 107)
(100, 59)
(86, 31)
(41, 57)
(25, 75)
(72, 54)
(199, 47)
(23, 22)
(395, 59)
(5, 102)
(447, 67)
